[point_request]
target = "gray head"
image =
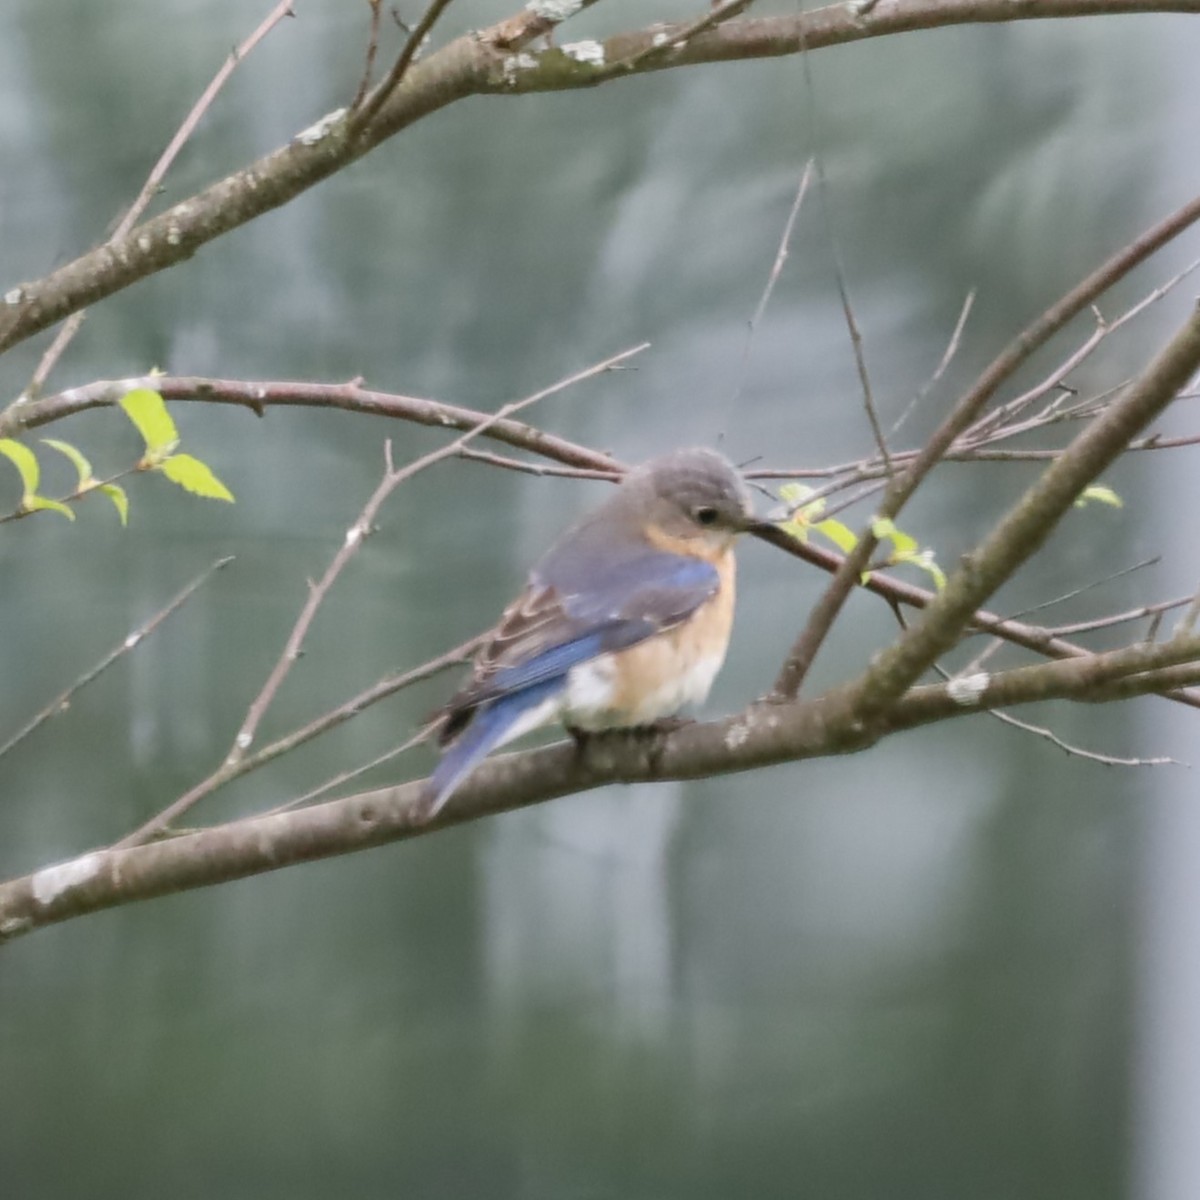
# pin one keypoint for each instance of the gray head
(691, 494)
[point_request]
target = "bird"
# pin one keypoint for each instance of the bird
(621, 624)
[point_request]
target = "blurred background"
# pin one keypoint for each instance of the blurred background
(962, 964)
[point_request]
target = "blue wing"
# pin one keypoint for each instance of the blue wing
(589, 596)
(486, 731)
(552, 626)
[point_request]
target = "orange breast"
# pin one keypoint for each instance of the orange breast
(658, 677)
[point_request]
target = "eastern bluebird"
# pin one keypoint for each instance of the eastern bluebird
(623, 622)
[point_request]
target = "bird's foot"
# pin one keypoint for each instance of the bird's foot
(663, 725)
(652, 729)
(590, 744)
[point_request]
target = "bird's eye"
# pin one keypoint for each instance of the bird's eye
(706, 516)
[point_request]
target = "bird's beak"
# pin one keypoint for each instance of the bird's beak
(756, 525)
(774, 534)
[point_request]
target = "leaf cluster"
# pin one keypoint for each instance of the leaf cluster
(147, 410)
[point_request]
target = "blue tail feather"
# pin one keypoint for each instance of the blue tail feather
(487, 730)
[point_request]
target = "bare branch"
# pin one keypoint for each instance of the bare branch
(1004, 414)
(131, 640)
(1107, 760)
(1040, 640)
(475, 64)
(362, 110)
(350, 397)
(1090, 586)
(1049, 735)
(1019, 534)
(1187, 623)
(345, 777)
(355, 536)
(940, 370)
(364, 83)
(781, 256)
(388, 686)
(154, 180)
(667, 41)
(538, 469)
(1122, 618)
(759, 736)
(1002, 368)
(839, 275)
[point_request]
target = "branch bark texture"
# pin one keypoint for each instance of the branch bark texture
(493, 61)
(763, 735)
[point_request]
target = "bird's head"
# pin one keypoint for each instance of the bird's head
(695, 496)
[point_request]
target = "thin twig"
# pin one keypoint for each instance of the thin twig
(781, 256)
(990, 649)
(1075, 593)
(1018, 633)
(1025, 526)
(1041, 731)
(345, 777)
(94, 488)
(363, 111)
(387, 686)
(666, 42)
(1108, 760)
(128, 643)
(154, 180)
(1104, 329)
(354, 538)
(1157, 609)
(539, 469)
(940, 370)
(372, 49)
(839, 272)
(852, 474)
(259, 395)
(966, 411)
(1187, 623)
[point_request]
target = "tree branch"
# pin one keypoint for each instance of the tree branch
(475, 64)
(968, 408)
(355, 536)
(131, 640)
(350, 397)
(154, 180)
(1029, 522)
(762, 735)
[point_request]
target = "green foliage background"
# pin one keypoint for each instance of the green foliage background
(910, 973)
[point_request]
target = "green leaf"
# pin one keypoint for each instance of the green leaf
(926, 562)
(802, 516)
(795, 529)
(795, 494)
(842, 536)
(1101, 494)
(903, 546)
(84, 468)
(148, 411)
(195, 476)
(33, 502)
(23, 459)
(120, 501)
(906, 549)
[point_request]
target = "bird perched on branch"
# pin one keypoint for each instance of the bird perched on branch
(622, 623)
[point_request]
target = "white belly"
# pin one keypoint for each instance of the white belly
(593, 701)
